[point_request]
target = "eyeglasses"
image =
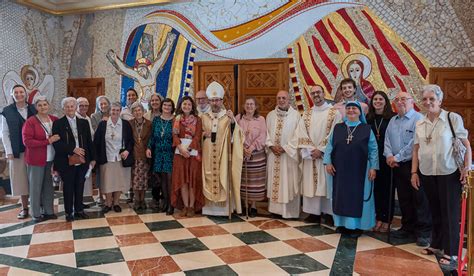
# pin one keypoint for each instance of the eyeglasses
(402, 99)
(201, 99)
(215, 100)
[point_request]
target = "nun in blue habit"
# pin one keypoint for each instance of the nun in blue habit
(351, 159)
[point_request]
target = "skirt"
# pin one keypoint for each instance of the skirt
(114, 178)
(140, 175)
(254, 175)
(18, 176)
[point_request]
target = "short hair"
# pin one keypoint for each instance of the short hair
(435, 89)
(179, 110)
(116, 104)
(82, 99)
(132, 89)
(39, 99)
(97, 102)
(316, 85)
(256, 114)
(348, 80)
(135, 105)
(16, 86)
(167, 100)
(67, 100)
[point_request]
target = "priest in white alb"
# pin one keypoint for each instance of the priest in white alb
(311, 138)
(283, 173)
(222, 149)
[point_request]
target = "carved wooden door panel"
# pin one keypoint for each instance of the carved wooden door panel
(208, 72)
(260, 78)
(262, 81)
(458, 87)
(87, 88)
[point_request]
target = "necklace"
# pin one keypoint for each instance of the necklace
(139, 127)
(430, 136)
(164, 125)
(377, 128)
(349, 133)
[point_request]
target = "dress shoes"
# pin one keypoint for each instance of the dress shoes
(313, 219)
(106, 209)
(81, 215)
(48, 217)
(69, 217)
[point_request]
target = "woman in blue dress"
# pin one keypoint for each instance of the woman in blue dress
(160, 146)
(351, 158)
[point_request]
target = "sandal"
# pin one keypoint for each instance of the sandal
(432, 251)
(448, 263)
(23, 214)
(377, 226)
(384, 228)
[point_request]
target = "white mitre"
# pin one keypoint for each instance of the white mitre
(215, 90)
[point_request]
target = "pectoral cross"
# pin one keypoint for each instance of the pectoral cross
(428, 139)
(378, 136)
(112, 135)
(349, 138)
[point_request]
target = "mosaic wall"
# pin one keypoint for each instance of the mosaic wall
(441, 31)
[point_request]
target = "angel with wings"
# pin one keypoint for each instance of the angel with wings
(29, 77)
(144, 71)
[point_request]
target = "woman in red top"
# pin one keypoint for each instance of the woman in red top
(39, 156)
(187, 171)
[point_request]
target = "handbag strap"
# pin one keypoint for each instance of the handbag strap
(451, 125)
(42, 125)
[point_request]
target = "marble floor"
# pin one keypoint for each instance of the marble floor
(150, 243)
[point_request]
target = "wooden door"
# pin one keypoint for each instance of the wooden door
(458, 87)
(259, 78)
(262, 80)
(222, 72)
(89, 88)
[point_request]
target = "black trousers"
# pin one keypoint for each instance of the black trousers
(416, 216)
(73, 187)
(444, 193)
(382, 193)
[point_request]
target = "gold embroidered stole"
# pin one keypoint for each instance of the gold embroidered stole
(276, 167)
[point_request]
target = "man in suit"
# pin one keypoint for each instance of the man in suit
(76, 139)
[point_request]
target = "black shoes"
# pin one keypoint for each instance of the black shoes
(81, 215)
(117, 209)
(69, 217)
(313, 219)
(402, 234)
(48, 217)
(423, 242)
(170, 211)
(106, 209)
(328, 220)
(38, 219)
(253, 212)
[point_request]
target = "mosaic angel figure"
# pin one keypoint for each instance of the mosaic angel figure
(144, 71)
(29, 77)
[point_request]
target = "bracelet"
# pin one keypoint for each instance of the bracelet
(414, 172)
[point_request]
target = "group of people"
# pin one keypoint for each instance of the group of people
(341, 162)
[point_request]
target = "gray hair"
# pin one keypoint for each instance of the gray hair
(435, 89)
(39, 99)
(97, 102)
(116, 104)
(67, 100)
(135, 105)
(154, 94)
(82, 99)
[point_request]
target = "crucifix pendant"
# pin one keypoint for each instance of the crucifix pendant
(349, 138)
(112, 136)
(428, 139)
(378, 136)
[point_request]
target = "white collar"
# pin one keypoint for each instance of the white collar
(110, 123)
(324, 106)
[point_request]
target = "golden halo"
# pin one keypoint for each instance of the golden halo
(362, 58)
